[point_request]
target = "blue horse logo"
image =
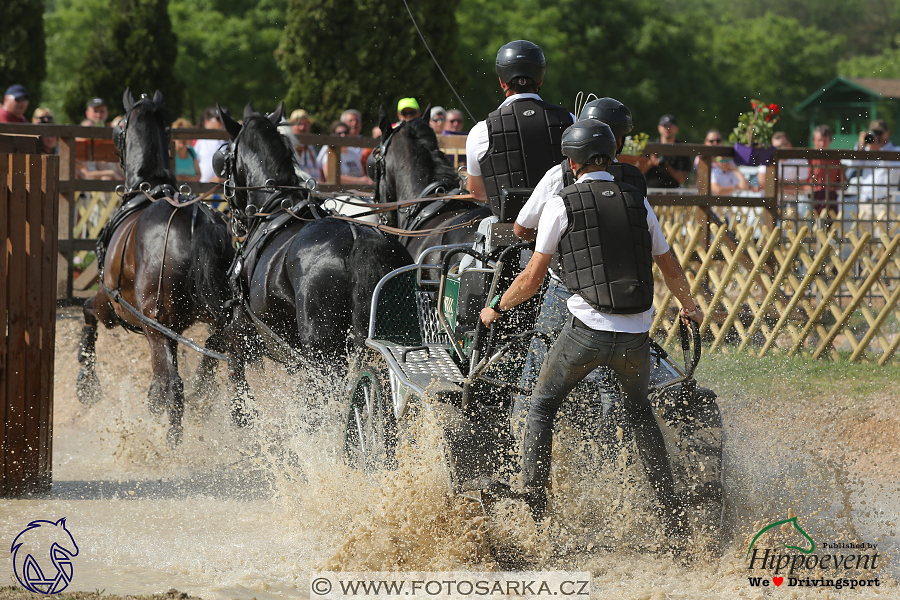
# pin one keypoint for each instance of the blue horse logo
(39, 538)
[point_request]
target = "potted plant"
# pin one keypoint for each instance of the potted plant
(755, 127)
(633, 151)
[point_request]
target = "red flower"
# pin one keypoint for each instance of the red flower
(753, 103)
(774, 108)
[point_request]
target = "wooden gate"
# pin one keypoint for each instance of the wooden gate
(29, 213)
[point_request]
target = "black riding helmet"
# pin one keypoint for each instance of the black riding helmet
(610, 111)
(520, 59)
(589, 142)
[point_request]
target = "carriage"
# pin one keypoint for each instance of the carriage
(429, 351)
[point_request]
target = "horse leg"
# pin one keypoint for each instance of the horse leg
(240, 332)
(205, 378)
(167, 389)
(87, 386)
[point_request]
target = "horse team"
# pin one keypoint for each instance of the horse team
(280, 277)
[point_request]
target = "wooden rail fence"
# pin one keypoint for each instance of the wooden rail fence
(29, 212)
(767, 290)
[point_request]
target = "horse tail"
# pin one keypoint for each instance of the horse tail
(373, 256)
(211, 256)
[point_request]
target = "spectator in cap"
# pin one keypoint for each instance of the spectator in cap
(15, 103)
(408, 109)
(96, 112)
(667, 171)
(48, 142)
(300, 123)
(437, 119)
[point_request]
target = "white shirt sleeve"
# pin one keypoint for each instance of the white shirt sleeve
(658, 243)
(549, 186)
(552, 223)
(476, 147)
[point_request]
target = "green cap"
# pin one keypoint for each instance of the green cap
(407, 103)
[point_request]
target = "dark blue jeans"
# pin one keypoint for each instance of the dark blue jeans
(551, 320)
(578, 351)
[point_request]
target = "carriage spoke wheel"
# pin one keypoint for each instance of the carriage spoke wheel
(371, 432)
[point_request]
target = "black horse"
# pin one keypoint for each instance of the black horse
(169, 262)
(414, 167)
(303, 285)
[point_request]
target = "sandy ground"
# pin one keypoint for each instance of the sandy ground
(821, 446)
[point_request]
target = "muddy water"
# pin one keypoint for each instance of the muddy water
(250, 513)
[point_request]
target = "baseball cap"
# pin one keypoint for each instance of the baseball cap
(299, 115)
(407, 103)
(668, 120)
(17, 91)
(96, 102)
(437, 110)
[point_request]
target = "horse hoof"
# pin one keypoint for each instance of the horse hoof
(173, 437)
(241, 414)
(87, 387)
(156, 402)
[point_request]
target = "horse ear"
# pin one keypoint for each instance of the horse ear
(231, 126)
(249, 111)
(276, 116)
(384, 122)
(158, 97)
(128, 100)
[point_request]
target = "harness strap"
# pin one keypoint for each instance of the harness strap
(162, 264)
(405, 232)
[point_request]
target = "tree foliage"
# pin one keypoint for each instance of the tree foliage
(137, 50)
(226, 53)
(338, 54)
(22, 52)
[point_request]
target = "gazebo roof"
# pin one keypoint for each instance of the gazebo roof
(844, 90)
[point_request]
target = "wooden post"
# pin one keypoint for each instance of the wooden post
(67, 198)
(704, 174)
(28, 306)
(772, 190)
(334, 165)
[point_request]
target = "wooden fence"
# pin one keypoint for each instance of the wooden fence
(767, 290)
(29, 214)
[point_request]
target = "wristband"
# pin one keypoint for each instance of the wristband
(495, 304)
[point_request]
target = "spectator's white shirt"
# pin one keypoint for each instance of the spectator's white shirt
(554, 221)
(722, 178)
(478, 142)
(205, 150)
(791, 170)
(878, 179)
(351, 161)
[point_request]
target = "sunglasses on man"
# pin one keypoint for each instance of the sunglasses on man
(45, 119)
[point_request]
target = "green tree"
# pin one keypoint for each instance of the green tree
(339, 54)
(226, 53)
(138, 50)
(23, 51)
(70, 25)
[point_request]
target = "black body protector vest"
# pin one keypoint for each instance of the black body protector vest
(525, 142)
(606, 250)
(621, 172)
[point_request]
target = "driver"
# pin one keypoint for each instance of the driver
(607, 236)
(553, 311)
(519, 141)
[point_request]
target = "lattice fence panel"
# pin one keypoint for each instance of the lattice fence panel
(824, 289)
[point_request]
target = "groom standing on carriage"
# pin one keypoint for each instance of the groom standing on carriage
(520, 141)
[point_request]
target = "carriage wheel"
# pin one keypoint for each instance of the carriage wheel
(370, 440)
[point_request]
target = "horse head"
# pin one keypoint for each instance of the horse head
(142, 140)
(258, 156)
(40, 545)
(408, 160)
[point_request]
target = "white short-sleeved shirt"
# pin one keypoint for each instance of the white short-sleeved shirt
(478, 142)
(205, 150)
(554, 221)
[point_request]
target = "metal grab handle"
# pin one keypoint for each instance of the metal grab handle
(406, 352)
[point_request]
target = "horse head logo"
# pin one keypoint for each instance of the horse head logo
(792, 521)
(30, 549)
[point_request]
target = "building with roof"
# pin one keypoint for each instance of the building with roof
(849, 104)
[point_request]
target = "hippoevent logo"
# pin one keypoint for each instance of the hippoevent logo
(797, 564)
(42, 556)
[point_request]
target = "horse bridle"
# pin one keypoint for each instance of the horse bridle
(120, 132)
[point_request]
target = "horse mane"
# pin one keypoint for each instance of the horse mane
(277, 158)
(423, 139)
(151, 133)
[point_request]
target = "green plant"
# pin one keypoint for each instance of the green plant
(755, 127)
(635, 144)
